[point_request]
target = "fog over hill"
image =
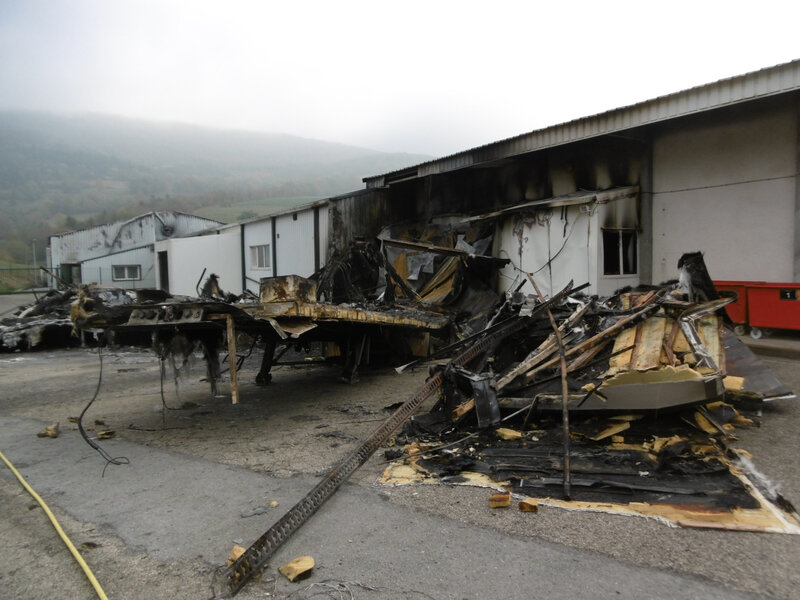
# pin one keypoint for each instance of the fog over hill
(61, 171)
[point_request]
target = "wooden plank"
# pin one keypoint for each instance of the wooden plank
(400, 267)
(710, 333)
(680, 345)
(544, 350)
(443, 278)
(232, 360)
(603, 335)
(329, 312)
(648, 348)
(462, 409)
(671, 331)
(620, 361)
(586, 357)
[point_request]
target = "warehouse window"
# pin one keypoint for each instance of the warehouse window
(260, 257)
(126, 272)
(620, 252)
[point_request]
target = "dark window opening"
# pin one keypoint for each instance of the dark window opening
(620, 252)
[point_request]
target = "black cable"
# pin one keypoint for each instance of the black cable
(240, 359)
(119, 460)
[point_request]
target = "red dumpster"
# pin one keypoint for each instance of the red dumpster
(737, 311)
(763, 304)
(774, 305)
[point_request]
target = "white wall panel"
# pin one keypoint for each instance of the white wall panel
(187, 257)
(727, 189)
(562, 238)
(295, 243)
(324, 212)
(746, 232)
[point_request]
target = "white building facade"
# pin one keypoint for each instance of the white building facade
(120, 254)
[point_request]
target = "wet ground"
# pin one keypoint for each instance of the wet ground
(164, 522)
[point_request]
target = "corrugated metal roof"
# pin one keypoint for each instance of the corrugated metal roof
(725, 92)
(284, 211)
(123, 222)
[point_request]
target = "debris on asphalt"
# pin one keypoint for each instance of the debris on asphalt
(500, 500)
(258, 510)
(414, 290)
(627, 404)
(236, 552)
(50, 431)
(656, 387)
(44, 324)
(297, 569)
(89, 545)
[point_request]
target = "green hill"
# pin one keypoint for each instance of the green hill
(60, 172)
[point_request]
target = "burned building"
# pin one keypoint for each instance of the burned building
(122, 253)
(616, 198)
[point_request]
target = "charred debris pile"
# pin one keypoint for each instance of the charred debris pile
(400, 297)
(624, 405)
(50, 321)
(628, 404)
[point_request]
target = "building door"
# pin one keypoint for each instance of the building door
(163, 271)
(70, 273)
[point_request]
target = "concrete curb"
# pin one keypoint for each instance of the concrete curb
(777, 347)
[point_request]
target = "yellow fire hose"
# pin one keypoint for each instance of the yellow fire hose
(95, 584)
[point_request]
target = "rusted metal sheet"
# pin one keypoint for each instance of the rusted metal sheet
(361, 216)
(347, 314)
(288, 287)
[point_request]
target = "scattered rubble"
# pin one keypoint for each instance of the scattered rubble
(44, 324)
(297, 569)
(51, 431)
(417, 290)
(627, 404)
(654, 387)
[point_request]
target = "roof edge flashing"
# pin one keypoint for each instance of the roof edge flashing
(755, 85)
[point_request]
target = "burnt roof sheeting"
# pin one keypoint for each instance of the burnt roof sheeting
(771, 81)
(572, 199)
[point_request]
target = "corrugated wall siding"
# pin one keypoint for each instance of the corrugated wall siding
(363, 215)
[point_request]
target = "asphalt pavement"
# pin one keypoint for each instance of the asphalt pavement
(175, 506)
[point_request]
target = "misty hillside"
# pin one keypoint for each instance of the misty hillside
(58, 172)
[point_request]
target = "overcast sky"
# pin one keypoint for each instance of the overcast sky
(430, 77)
